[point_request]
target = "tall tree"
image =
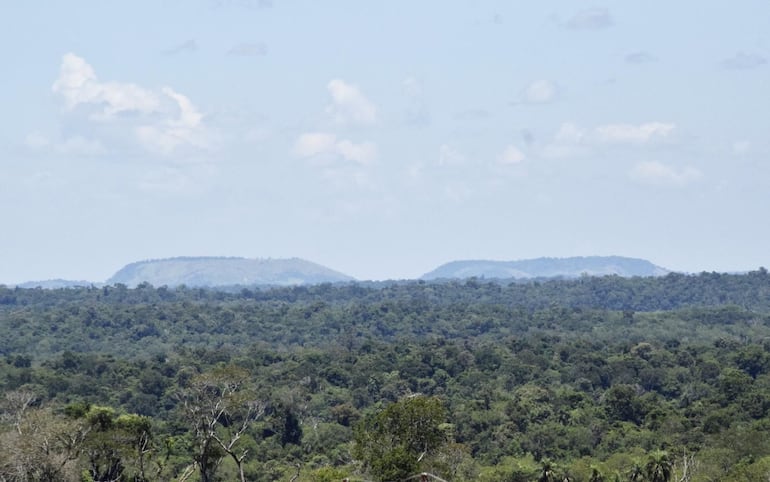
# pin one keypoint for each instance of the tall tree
(219, 407)
(547, 472)
(393, 442)
(659, 467)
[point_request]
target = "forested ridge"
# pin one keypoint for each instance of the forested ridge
(598, 378)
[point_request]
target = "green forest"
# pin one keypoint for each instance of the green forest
(591, 379)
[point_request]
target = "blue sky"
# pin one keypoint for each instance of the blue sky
(382, 138)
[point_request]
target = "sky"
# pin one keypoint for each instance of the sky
(382, 139)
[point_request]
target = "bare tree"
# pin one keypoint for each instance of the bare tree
(219, 406)
(41, 447)
(685, 467)
(15, 405)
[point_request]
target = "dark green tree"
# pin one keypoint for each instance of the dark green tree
(596, 475)
(547, 472)
(636, 473)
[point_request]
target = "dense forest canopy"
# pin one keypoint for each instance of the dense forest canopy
(598, 378)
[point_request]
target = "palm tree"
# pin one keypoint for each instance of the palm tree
(547, 473)
(659, 467)
(596, 475)
(636, 474)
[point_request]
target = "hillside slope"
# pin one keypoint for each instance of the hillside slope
(213, 271)
(547, 268)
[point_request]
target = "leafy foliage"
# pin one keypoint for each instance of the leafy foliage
(395, 440)
(591, 379)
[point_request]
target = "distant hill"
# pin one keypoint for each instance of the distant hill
(213, 271)
(53, 284)
(547, 268)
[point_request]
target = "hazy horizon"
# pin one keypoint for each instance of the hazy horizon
(430, 272)
(383, 139)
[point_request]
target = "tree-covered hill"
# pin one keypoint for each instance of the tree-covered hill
(222, 271)
(546, 268)
(53, 284)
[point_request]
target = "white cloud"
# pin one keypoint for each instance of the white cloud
(539, 92)
(634, 134)
(448, 156)
(341, 162)
(325, 148)
(511, 155)
(186, 130)
(659, 174)
(569, 141)
(314, 143)
(78, 84)
(188, 114)
(570, 133)
(572, 140)
(349, 105)
(162, 122)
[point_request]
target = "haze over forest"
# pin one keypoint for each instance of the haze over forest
(382, 138)
(232, 271)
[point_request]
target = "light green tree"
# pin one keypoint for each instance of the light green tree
(659, 467)
(393, 442)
